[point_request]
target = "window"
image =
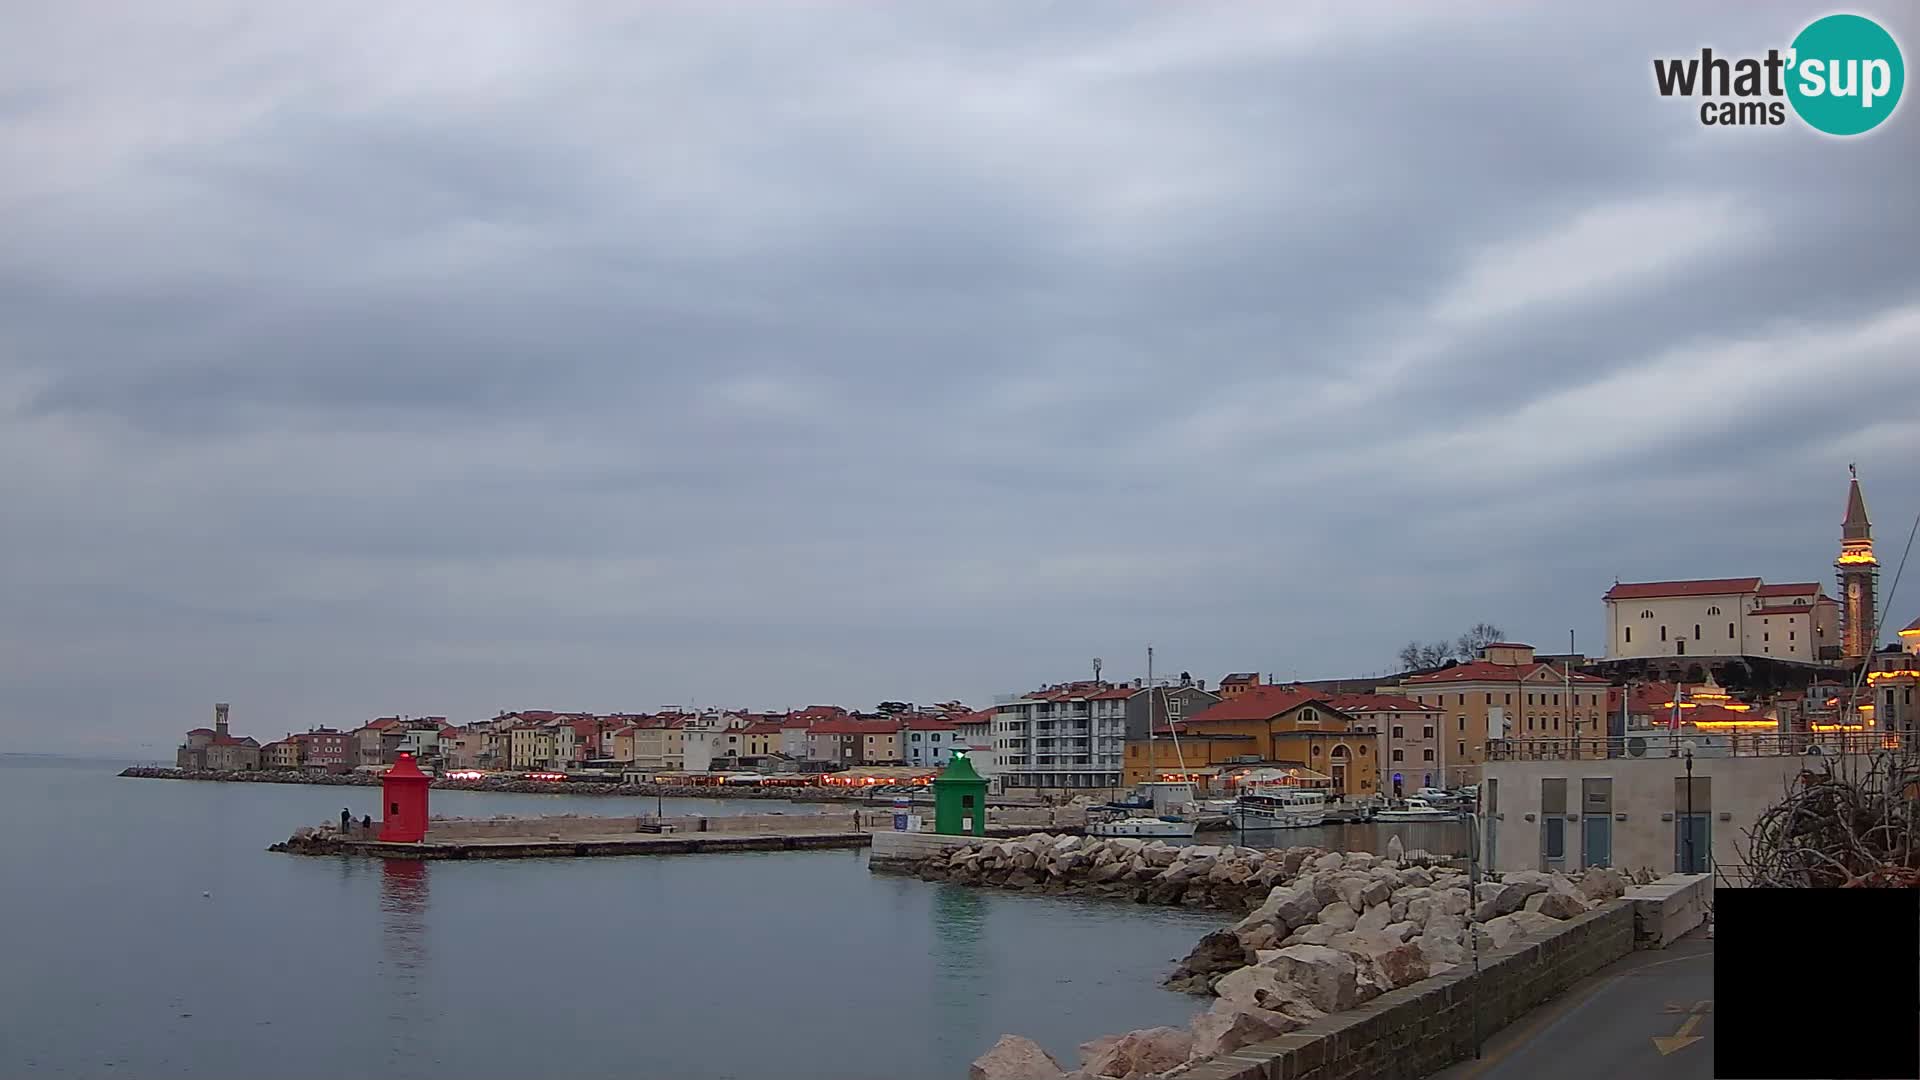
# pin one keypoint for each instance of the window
(1766, 637)
(1427, 754)
(1789, 635)
(1399, 732)
(1713, 611)
(1489, 697)
(1629, 635)
(1729, 631)
(1556, 699)
(1509, 700)
(1428, 732)
(1663, 633)
(1460, 750)
(1647, 614)
(1462, 699)
(1463, 722)
(1529, 699)
(1399, 754)
(1363, 749)
(1696, 631)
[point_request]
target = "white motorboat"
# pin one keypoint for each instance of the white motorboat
(1415, 810)
(1143, 826)
(1279, 810)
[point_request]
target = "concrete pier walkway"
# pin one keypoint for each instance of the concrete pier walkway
(529, 847)
(1648, 1015)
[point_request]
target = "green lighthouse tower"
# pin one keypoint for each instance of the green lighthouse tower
(960, 799)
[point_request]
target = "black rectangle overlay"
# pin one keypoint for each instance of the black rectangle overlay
(1816, 984)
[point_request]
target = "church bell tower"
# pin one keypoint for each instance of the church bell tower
(1859, 575)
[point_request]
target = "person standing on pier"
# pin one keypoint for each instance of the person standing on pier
(346, 821)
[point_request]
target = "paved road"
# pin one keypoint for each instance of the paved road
(1648, 1016)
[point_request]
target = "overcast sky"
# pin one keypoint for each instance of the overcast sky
(365, 358)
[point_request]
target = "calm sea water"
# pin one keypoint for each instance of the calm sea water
(149, 934)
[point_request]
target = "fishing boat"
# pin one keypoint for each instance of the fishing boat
(1415, 810)
(1165, 827)
(1280, 810)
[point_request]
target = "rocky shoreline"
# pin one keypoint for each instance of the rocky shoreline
(523, 787)
(1325, 932)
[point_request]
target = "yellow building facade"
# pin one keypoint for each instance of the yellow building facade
(1263, 727)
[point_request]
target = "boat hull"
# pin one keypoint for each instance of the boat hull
(1243, 818)
(1148, 827)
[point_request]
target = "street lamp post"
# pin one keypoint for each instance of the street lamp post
(1686, 836)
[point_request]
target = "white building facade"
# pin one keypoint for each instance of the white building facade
(1722, 617)
(1065, 738)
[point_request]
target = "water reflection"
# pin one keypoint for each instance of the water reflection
(403, 961)
(961, 972)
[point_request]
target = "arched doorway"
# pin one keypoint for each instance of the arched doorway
(1337, 763)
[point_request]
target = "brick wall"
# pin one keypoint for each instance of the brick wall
(1423, 1028)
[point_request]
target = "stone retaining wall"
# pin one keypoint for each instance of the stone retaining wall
(1411, 1032)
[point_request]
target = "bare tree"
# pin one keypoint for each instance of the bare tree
(1478, 636)
(1414, 654)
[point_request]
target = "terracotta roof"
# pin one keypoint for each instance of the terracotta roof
(984, 716)
(1647, 590)
(1797, 588)
(1258, 703)
(1240, 677)
(1487, 671)
(1506, 645)
(761, 729)
(854, 727)
(201, 731)
(795, 722)
(929, 723)
(1378, 703)
(1118, 693)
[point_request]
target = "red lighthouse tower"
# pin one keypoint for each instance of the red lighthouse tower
(403, 790)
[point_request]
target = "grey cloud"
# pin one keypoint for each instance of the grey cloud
(894, 351)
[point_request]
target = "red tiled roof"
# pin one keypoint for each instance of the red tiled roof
(929, 723)
(1798, 588)
(795, 722)
(761, 729)
(854, 727)
(1258, 703)
(228, 740)
(1507, 645)
(1118, 693)
(1357, 703)
(1487, 671)
(1647, 590)
(201, 731)
(1239, 677)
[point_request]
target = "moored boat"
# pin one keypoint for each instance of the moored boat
(1415, 810)
(1169, 826)
(1279, 810)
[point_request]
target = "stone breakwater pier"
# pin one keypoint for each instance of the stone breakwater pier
(1344, 965)
(580, 836)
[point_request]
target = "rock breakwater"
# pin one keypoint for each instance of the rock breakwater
(1209, 877)
(1327, 932)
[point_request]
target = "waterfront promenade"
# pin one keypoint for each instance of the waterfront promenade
(1648, 1015)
